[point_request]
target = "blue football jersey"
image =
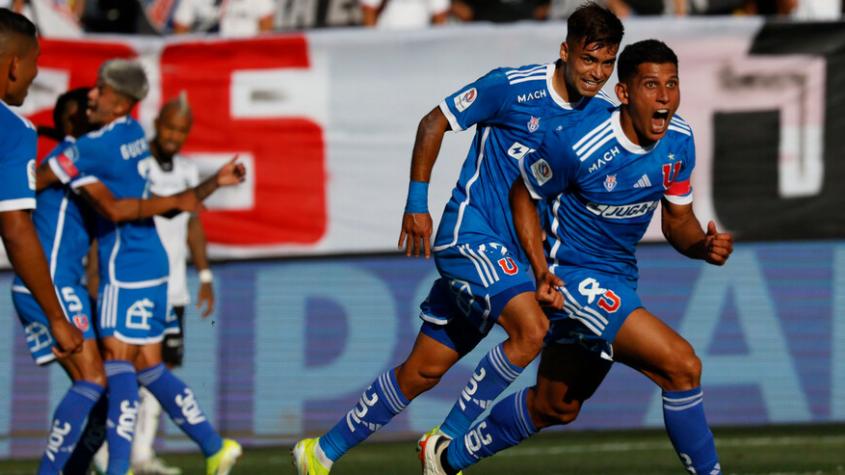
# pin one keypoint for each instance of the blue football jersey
(64, 225)
(602, 189)
(511, 108)
(17, 161)
(130, 253)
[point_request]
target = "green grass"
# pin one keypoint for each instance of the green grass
(784, 450)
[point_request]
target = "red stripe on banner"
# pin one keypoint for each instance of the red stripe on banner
(289, 152)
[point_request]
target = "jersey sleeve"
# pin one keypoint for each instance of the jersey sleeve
(476, 102)
(549, 170)
(78, 164)
(679, 191)
(17, 173)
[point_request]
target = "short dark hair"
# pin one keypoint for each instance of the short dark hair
(646, 51)
(15, 23)
(591, 23)
(78, 96)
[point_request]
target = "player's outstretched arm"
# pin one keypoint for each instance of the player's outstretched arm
(527, 224)
(232, 173)
(682, 229)
(415, 235)
(131, 209)
(29, 263)
(197, 244)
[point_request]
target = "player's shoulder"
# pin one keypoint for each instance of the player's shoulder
(679, 132)
(10, 119)
(184, 165)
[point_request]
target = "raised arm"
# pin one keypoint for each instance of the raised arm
(132, 209)
(682, 229)
(417, 225)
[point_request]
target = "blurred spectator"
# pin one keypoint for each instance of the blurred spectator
(404, 14)
(54, 18)
(500, 11)
(301, 14)
(819, 9)
(231, 18)
(770, 7)
(115, 16)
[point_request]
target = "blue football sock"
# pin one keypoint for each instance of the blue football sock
(67, 425)
(179, 403)
(508, 424)
(492, 376)
(379, 403)
(683, 415)
(123, 411)
(91, 439)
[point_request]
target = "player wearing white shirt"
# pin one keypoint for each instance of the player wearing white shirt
(404, 14)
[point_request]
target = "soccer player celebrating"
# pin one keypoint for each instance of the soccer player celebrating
(170, 173)
(109, 167)
(604, 176)
(484, 278)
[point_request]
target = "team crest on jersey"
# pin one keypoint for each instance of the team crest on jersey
(80, 320)
(466, 99)
(533, 124)
(542, 171)
(610, 182)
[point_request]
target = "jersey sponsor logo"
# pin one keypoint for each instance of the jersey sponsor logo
(643, 182)
(533, 124)
(466, 99)
(30, 174)
(538, 94)
(57, 439)
(139, 314)
(518, 150)
(360, 410)
(126, 421)
(634, 210)
(604, 160)
(37, 337)
(508, 266)
(477, 438)
(190, 408)
(542, 171)
(133, 149)
(80, 321)
(610, 182)
(471, 388)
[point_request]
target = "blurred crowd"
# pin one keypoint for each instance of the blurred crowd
(243, 18)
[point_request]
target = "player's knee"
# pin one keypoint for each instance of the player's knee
(530, 335)
(685, 370)
(558, 412)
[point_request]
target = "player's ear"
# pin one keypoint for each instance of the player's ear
(564, 51)
(622, 93)
(14, 64)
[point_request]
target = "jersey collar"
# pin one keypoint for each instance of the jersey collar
(624, 141)
(550, 75)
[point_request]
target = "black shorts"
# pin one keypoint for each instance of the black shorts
(173, 346)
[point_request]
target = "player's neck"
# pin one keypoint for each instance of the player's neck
(561, 86)
(631, 132)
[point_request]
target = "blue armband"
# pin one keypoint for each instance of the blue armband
(417, 197)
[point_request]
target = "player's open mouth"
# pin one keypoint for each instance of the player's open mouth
(660, 120)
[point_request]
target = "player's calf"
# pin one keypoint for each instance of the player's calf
(547, 411)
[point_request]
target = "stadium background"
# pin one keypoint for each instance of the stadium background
(325, 122)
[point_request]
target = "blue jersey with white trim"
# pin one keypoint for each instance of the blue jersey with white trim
(602, 189)
(64, 225)
(130, 253)
(510, 108)
(17, 161)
